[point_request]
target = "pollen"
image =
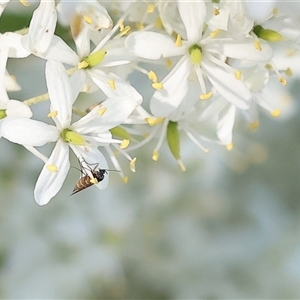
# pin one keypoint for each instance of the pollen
(152, 76)
(238, 74)
(216, 11)
(178, 42)
(155, 155)
(157, 85)
(112, 84)
(52, 168)
(282, 81)
(132, 165)
(205, 96)
(125, 30)
(213, 34)
(87, 19)
(94, 180)
(154, 121)
(275, 113)
(125, 143)
(158, 23)
(229, 146)
(257, 45)
(52, 114)
(25, 3)
(101, 111)
(125, 179)
(253, 125)
(82, 65)
(150, 8)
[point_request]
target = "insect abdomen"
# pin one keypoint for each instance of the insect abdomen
(82, 184)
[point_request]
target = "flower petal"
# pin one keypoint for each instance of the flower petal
(193, 15)
(152, 45)
(29, 132)
(60, 93)
(225, 124)
(18, 109)
(12, 41)
(49, 183)
(175, 87)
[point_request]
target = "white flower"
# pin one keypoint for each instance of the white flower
(82, 136)
(199, 57)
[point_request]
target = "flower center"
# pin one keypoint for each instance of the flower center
(195, 54)
(92, 60)
(2, 113)
(70, 136)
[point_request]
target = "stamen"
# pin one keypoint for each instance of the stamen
(213, 34)
(155, 155)
(154, 121)
(205, 96)
(169, 63)
(158, 23)
(152, 76)
(52, 114)
(25, 3)
(229, 147)
(282, 81)
(253, 125)
(87, 19)
(181, 165)
(112, 84)
(52, 168)
(125, 30)
(124, 144)
(101, 111)
(139, 26)
(257, 45)
(132, 165)
(288, 72)
(178, 42)
(82, 65)
(121, 24)
(125, 179)
(275, 113)
(150, 8)
(157, 85)
(216, 11)
(238, 74)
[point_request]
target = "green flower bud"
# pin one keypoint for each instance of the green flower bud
(173, 139)
(267, 34)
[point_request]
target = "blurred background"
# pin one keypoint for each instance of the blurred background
(226, 228)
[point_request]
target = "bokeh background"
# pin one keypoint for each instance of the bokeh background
(226, 228)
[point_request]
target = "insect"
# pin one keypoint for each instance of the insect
(89, 176)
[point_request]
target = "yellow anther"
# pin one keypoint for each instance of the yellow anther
(24, 2)
(275, 11)
(253, 125)
(158, 23)
(157, 85)
(275, 113)
(169, 63)
(121, 24)
(257, 45)
(229, 147)
(205, 96)
(152, 76)
(154, 121)
(216, 11)
(52, 168)
(116, 152)
(139, 25)
(112, 84)
(87, 19)
(288, 72)
(132, 165)
(125, 179)
(101, 111)
(213, 34)
(206, 150)
(82, 65)
(94, 180)
(269, 67)
(155, 155)
(178, 42)
(150, 8)
(52, 114)
(125, 30)
(238, 74)
(282, 81)
(125, 143)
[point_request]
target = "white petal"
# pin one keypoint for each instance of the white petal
(60, 51)
(18, 109)
(3, 94)
(241, 49)
(122, 88)
(93, 156)
(175, 87)
(29, 132)
(152, 45)
(49, 183)
(12, 41)
(117, 111)
(225, 124)
(41, 29)
(60, 93)
(193, 15)
(233, 90)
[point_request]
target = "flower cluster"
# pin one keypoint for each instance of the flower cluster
(208, 63)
